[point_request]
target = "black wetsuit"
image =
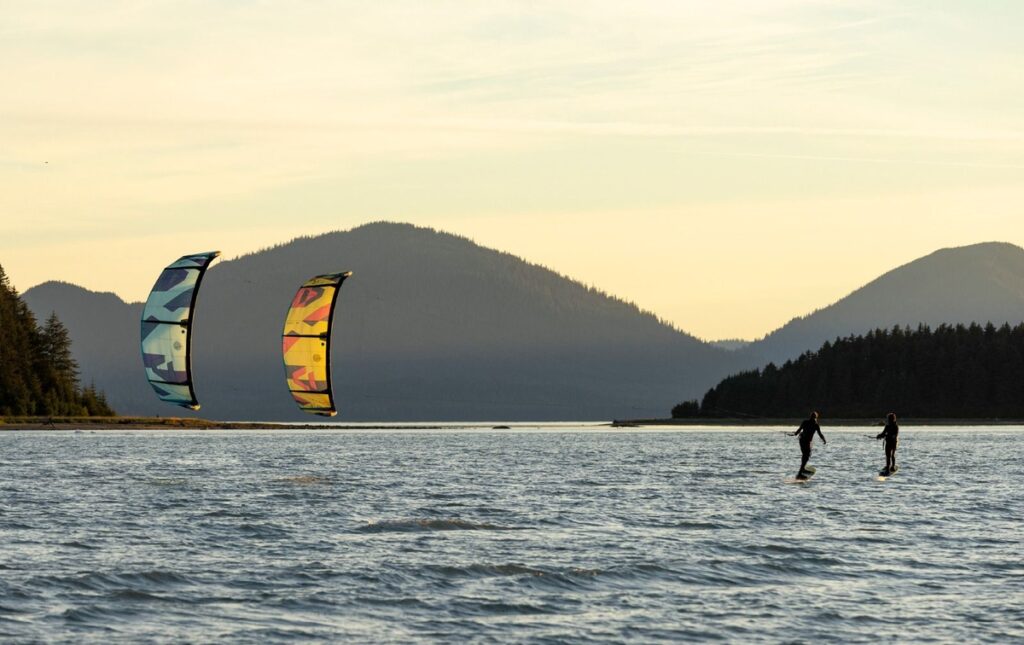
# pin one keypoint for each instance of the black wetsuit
(891, 434)
(807, 430)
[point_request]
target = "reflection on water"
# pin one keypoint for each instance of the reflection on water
(560, 535)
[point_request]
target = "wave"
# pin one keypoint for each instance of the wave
(168, 481)
(687, 525)
(562, 579)
(6, 610)
(137, 595)
(231, 512)
(304, 480)
(263, 531)
(497, 570)
(95, 617)
(108, 582)
(17, 526)
(418, 525)
(499, 607)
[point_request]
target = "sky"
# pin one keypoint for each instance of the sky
(726, 165)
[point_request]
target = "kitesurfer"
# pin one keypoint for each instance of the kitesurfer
(807, 430)
(891, 434)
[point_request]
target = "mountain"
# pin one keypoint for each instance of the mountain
(731, 344)
(434, 327)
(430, 327)
(38, 374)
(99, 325)
(979, 283)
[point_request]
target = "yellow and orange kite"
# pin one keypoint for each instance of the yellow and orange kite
(306, 343)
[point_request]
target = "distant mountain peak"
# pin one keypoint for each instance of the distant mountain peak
(62, 289)
(981, 246)
(975, 283)
(436, 326)
(431, 326)
(412, 239)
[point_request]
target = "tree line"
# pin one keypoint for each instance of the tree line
(38, 374)
(952, 371)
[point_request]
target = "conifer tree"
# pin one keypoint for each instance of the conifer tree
(57, 370)
(19, 384)
(56, 349)
(38, 372)
(95, 402)
(954, 371)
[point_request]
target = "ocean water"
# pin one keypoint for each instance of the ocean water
(552, 535)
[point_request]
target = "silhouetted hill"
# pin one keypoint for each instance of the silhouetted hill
(435, 327)
(979, 283)
(731, 344)
(954, 372)
(430, 327)
(98, 324)
(38, 372)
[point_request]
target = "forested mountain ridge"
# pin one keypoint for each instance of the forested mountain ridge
(978, 283)
(104, 332)
(954, 371)
(434, 327)
(430, 327)
(38, 374)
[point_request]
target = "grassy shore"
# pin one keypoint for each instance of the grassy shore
(189, 423)
(132, 423)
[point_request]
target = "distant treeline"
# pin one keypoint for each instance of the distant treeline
(38, 375)
(957, 371)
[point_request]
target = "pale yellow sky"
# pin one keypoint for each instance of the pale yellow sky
(726, 165)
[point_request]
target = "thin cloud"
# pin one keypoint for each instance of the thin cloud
(873, 160)
(512, 126)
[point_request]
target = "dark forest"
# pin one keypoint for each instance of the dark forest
(38, 375)
(952, 371)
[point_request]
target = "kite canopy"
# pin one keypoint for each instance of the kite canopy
(306, 343)
(167, 329)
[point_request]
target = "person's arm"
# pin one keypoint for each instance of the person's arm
(884, 433)
(797, 431)
(822, 436)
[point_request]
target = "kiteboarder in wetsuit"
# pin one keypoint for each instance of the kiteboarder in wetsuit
(807, 431)
(891, 434)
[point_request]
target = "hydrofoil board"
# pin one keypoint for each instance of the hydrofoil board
(804, 477)
(885, 472)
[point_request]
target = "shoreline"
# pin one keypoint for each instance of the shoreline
(825, 422)
(184, 423)
(45, 424)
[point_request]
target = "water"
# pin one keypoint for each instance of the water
(560, 535)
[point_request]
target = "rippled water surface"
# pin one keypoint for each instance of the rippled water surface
(554, 535)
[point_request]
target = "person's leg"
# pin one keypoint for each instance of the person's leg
(805, 454)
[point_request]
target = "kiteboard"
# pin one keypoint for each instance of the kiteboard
(805, 477)
(885, 472)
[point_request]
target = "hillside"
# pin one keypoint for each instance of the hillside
(38, 372)
(430, 327)
(959, 372)
(435, 327)
(979, 283)
(97, 324)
